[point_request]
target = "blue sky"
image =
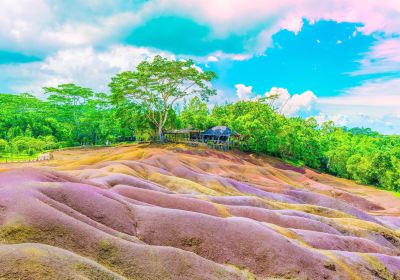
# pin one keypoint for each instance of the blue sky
(335, 60)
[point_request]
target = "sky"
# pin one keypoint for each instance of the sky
(332, 60)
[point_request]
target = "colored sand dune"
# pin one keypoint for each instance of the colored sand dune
(173, 212)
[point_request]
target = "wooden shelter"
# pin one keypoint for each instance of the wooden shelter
(219, 137)
(188, 136)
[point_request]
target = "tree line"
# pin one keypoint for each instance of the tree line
(167, 94)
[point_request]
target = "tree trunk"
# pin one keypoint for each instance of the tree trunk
(160, 134)
(162, 123)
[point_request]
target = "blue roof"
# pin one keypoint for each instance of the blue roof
(218, 131)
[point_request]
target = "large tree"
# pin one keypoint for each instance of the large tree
(195, 115)
(159, 84)
(84, 110)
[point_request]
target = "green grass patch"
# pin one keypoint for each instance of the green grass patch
(7, 157)
(295, 163)
(396, 194)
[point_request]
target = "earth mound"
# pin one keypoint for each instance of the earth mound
(175, 212)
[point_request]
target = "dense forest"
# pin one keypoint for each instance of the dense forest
(71, 115)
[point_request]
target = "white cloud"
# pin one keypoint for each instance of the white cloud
(278, 96)
(374, 104)
(232, 16)
(359, 108)
(19, 21)
(292, 23)
(212, 58)
(303, 102)
(36, 25)
(378, 92)
(338, 119)
(219, 99)
(83, 66)
(382, 119)
(281, 100)
(218, 55)
(291, 105)
(243, 92)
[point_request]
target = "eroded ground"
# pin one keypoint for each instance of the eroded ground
(173, 212)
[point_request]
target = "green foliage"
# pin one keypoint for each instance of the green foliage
(359, 154)
(144, 102)
(157, 85)
(71, 116)
(195, 115)
(3, 145)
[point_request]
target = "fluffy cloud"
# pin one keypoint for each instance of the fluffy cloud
(38, 26)
(84, 66)
(297, 104)
(18, 23)
(359, 108)
(219, 99)
(281, 100)
(338, 119)
(47, 25)
(231, 16)
(383, 119)
(74, 44)
(374, 104)
(243, 92)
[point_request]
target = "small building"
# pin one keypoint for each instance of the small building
(219, 137)
(182, 135)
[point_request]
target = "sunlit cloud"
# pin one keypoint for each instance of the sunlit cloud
(84, 66)
(47, 42)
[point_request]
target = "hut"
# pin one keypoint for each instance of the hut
(182, 135)
(218, 137)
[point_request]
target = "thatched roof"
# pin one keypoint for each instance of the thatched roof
(219, 131)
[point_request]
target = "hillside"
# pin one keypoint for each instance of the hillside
(174, 212)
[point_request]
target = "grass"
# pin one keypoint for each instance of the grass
(8, 157)
(295, 163)
(396, 194)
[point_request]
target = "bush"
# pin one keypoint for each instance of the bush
(27, 145)
(3, 145)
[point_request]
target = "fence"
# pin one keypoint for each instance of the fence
(41, 157)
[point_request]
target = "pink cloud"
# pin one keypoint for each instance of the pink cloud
(239, 16)
(383, 57)
(387, 50)
(378, 92)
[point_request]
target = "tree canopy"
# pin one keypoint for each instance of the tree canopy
(141, 105)
(159, 84)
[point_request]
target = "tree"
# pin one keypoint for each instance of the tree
(78, 107)
(159, 84)
(3, 145)
(68, 94)
(195, 114)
